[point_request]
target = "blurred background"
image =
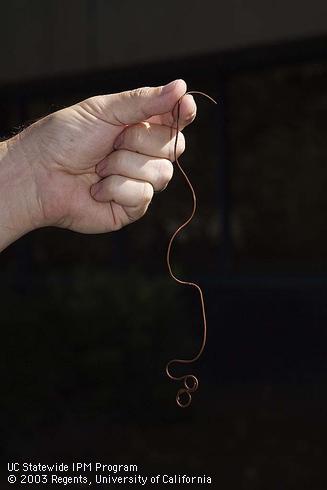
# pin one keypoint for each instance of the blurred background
(88, 322)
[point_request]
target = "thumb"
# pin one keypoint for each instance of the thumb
(137, 105)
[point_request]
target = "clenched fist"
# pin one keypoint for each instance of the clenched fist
(92, 167)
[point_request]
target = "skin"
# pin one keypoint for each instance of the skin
(92, 167)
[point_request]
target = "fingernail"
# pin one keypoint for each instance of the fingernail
(100, 167)
(169, 87)
(118, 141)
(94, 189)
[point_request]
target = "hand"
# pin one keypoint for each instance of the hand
(97, 163)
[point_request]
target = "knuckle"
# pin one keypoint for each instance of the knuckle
(147, 192)
(139, 92)
(180, 146)
(139, 212)
(120, 140)
(165, 172)
(191, 116)
(181, 143)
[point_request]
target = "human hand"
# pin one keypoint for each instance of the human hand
(96, 164)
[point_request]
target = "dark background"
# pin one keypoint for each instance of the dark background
(88, 322)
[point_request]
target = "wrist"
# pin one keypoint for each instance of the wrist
(20, 211)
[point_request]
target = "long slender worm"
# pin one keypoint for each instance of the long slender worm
(191, 382)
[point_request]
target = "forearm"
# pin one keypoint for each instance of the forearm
(17, 194)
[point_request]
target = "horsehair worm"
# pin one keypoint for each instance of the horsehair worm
(191, 382)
